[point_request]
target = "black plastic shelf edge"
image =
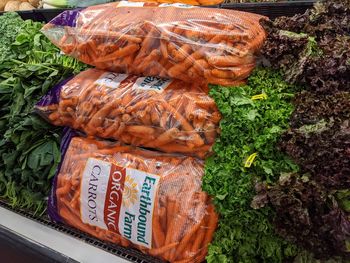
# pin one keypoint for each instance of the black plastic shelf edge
(272, 9)
(130, 254)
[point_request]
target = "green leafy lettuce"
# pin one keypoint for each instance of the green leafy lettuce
(248, 126)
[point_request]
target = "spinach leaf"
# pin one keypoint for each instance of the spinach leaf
(29, 153)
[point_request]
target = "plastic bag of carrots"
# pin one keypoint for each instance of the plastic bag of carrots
(164, 114)
(134, 197)
(193, 44)
(187, 2)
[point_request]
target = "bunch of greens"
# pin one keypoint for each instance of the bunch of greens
(312, 207)
(311, 107)
(326, 18)
(10, 25)
(313, 48)
(319, 140)
(29, 146)
(249, 125)
(307, 215)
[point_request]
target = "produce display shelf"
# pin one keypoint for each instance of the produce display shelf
(58, 243)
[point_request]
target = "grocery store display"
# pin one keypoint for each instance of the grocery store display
(29, 152)
(132, 196)
(165, 114)
(276, 187)
(165, 41)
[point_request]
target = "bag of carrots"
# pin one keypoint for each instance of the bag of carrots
(134, 197)
(187, 2)
(193, 44)
(164, 114)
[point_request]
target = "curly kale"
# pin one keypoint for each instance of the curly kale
(248, 126)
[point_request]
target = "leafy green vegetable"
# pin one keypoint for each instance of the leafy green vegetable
(308, 215)
(29, 147)
(307, 257)
(319, 140)
(314, 213)
(248, 126)
(316, 53)
(10, 25)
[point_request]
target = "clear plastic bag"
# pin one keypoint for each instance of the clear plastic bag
(164, 114)
(134, 197)
(193, 44)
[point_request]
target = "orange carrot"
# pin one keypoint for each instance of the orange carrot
(165, 137)
(162, 250)
(140, 130)
(68, 217)
(64, 189)
(54, 116)
(198, 240)
(181, 53)
(158, 233)
(230, 61)
(185, 240)
(185, 125)
(212, 224)
(163, 48)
